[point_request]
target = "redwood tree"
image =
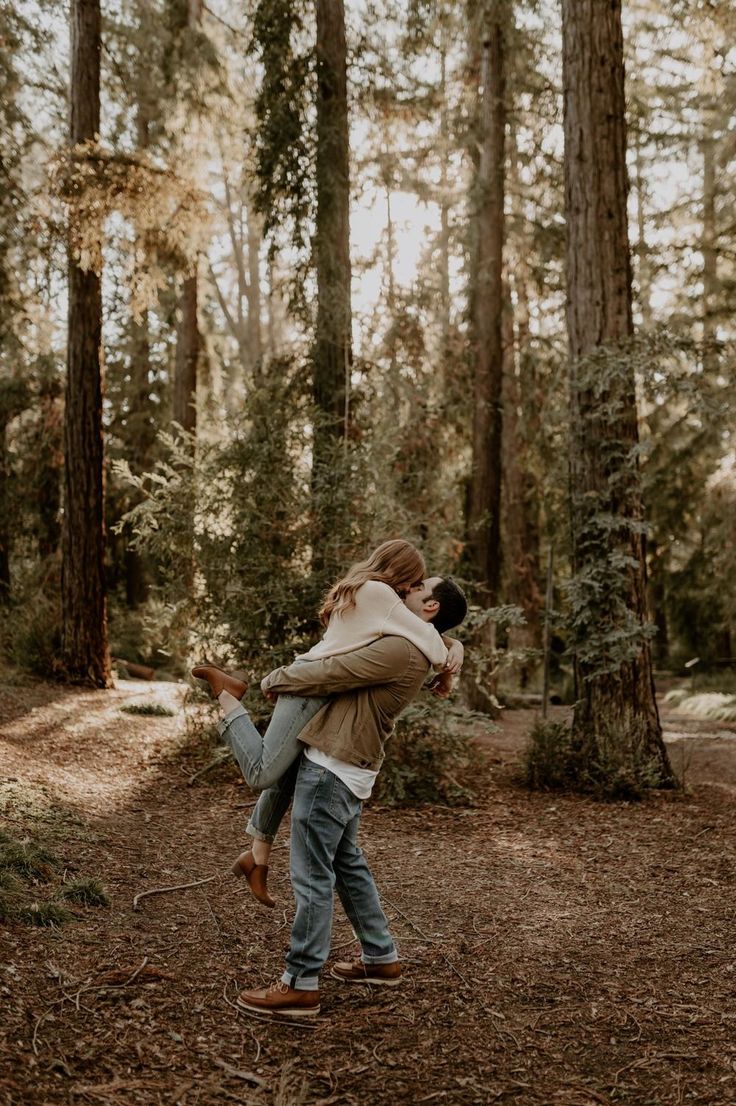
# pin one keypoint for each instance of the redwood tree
(484, 503)
(85, 651)
(616, 726)
(332, 351)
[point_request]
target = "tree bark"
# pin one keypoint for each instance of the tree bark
(484, 511)
(521, 425)
(84, 611)
(4, 514)
(332, 354)
(616, 714)
(50, 462)
(187, 357)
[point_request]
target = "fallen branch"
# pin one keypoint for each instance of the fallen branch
(248, 1076)
(165, 890)
(137, 671)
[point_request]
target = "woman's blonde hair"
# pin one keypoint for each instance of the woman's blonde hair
(397, 563)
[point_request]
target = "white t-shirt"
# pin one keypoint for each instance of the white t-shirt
(378, 612)
(359, 780)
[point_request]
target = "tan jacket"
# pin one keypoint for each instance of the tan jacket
(369, 688)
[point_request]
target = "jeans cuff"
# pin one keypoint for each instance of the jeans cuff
(236, 712)
(385, 958)
(258, 835)
(301, 982)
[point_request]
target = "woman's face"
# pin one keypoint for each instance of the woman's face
(403, 589)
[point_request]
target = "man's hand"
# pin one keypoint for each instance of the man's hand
(442, 685)
(455, 657)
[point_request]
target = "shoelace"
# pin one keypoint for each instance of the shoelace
(279, 988)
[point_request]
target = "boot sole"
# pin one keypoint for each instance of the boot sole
(266, 1012)
(371, 982)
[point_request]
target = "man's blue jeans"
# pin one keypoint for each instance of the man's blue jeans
(324, 857)
(272, 761)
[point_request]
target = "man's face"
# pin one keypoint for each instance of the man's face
(419, 598)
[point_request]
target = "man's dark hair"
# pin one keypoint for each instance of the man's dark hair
(453, 605)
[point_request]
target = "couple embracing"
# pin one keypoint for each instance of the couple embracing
(386, 626)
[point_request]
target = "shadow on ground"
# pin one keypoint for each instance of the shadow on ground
(557, 950)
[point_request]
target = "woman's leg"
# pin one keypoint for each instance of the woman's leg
(269, 812)
(264, 760)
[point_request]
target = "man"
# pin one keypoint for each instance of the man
(369, 688)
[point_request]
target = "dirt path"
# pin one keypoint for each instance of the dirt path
(558, 951)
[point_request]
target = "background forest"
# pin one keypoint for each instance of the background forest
(300, 339)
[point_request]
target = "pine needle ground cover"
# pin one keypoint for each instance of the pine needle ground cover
(558, 950)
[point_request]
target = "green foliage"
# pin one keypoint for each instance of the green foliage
(85, 892)
(30, 632)
(44, 914)
(237, 508)
(157, 710)
(27, 859)
(547, 762)
(605, 623)
(431, 757)
(23, 865)
(703, 704)
(285, 148)
(553, 761)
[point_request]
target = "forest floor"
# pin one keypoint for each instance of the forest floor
(558, 951)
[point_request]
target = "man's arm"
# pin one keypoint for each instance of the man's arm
(377, 663)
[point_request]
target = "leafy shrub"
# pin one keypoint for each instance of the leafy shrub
(431, 757)
(30, 634)
(548, 762)
(553, 761)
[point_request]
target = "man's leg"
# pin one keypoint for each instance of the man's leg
(323, 806)
(359, 897)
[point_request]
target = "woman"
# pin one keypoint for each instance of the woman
(364, 605)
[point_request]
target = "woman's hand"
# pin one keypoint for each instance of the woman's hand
(455, 657)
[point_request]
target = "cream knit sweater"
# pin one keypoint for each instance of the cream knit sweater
(378, 612)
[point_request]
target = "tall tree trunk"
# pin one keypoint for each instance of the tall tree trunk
(483, 510)
(332, 345)
(84, 611)
(484, 513)
(50, 462)
(142, 418)
(521, 425)
(709, 248)
(644, 268)
(187, 357)
(255, 341)
(4, 514)
(615, 721)
(444, 238)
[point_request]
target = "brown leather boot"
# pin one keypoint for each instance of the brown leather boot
(355, 971)
(256, 875)
(280, 1001)
(219, 680)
